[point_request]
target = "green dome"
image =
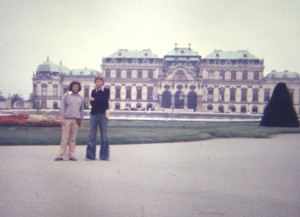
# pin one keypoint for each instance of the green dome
(47, 66)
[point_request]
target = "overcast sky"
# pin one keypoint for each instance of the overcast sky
(81, 32)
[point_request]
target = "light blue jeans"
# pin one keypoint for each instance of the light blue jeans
(95, 121)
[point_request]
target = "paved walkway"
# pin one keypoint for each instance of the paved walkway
(219, 177)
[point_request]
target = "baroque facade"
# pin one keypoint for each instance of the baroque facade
(223, 81)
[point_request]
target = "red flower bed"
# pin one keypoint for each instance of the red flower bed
(22, 120)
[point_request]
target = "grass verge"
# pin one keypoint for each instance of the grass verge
(135, 132)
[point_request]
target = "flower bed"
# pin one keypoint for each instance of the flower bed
(30, 120)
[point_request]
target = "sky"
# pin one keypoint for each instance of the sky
(81, 32)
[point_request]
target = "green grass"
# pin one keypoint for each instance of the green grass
(135, 132)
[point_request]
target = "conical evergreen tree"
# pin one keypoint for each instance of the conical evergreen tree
(280, 111)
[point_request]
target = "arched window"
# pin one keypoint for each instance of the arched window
(179, 99)
(166, 99)
(192, 100)
(209, 107)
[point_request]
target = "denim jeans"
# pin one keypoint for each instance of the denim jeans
(95, 121)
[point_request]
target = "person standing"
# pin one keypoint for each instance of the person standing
(99, 117)
(71, 113)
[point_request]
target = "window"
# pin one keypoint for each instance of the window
(128, 93)
(129, 74)
(44, 90)
(256, 76)
(118, 92)
(107, 73)
(140, 73)
(150, 74)
(232, 94)
(86, 92)
(245, 75)
(65, 89)
(117, 106)
(291, 91)
(233, 75)
(210, 75)
(139, 93)
(150, 93)
(221, 94)
(243, 109)
(55, 90)
(34, 90)
(209, 107)
(222, 75)
(267, 95)
(118, 73)
(254, 109)
(210, 96)
(221, 109)
(255, 95)
(244, 95)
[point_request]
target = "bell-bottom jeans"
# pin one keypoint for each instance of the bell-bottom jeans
(95, 121)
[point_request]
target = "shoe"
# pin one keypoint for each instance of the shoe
(58, 159)
(73, 159)
(107, 159)
(88, 159)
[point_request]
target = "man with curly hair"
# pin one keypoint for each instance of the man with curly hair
(71, 112)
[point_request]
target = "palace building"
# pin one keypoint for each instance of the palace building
(223, 81)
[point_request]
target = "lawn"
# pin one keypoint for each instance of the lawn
(135, 132)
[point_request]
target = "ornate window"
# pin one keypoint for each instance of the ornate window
(128, 92)
(210, 96)
(233, 75)
(232, 94)
(267, 95)
(255, 95)
(140, 73)
(86, 92)
(118, 92)
(150, 93)
(244, 95)
(55, 90)
(107, 73)
(139, 93)
(118, 75)
(221, 94)
(129, 72)
(150, 73)
(44, 90)
(245, 76)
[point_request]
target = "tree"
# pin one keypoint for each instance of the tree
(280, 111)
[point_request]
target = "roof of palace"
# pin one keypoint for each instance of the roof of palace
(240, 54)
(182, 52)
(125, 53)
(281, 75)
(82, 72)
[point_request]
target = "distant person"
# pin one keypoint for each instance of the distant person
(71, 113)
(99, 117)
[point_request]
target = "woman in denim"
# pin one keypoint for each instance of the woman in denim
(99, 101)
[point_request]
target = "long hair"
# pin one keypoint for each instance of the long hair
(74, 82)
